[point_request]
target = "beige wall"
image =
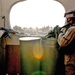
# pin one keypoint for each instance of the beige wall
(5, 6)
(68, 4)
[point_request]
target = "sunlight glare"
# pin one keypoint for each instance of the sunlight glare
(37, 13)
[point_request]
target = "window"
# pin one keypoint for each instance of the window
(36, 17)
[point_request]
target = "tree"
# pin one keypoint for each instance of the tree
(17, 28)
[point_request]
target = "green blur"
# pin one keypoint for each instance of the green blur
(30, 65)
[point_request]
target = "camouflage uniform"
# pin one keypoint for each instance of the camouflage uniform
(66, 41)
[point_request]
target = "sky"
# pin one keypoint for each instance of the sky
(37, 13)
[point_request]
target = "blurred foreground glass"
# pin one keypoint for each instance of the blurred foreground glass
(38, 56)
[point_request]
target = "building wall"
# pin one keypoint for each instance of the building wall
(68, 4)
(5, 6)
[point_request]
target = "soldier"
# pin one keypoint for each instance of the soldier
(66, 41)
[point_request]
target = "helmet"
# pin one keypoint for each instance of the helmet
(70, 16)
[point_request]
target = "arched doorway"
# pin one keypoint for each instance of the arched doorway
(36, 16)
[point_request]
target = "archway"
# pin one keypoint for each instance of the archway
(47, 12)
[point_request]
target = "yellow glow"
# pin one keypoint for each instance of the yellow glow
(38, 51)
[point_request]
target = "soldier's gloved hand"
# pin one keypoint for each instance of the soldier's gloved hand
(63, 30)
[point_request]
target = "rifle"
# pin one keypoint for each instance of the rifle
(68, 25)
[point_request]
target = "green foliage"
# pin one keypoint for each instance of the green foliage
(54, 33)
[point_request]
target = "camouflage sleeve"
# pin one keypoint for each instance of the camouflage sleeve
(65, 38)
